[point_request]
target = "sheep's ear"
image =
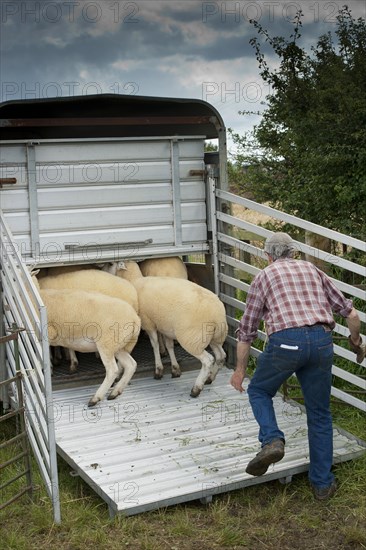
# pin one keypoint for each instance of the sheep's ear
(34, 272)
(120, 265)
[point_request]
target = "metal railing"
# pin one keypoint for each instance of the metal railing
(235, 258)
(22, 306)
(21, 437)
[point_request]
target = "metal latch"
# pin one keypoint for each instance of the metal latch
(7, 181)
(197, 173)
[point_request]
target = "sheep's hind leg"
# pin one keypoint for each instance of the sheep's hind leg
(56, 355)
(129, 365)
(159, 369)
(73, 360)
(162, 348)
(111, 370)
(220, 357)
(176, 372)
(70, 356)
(207, 362)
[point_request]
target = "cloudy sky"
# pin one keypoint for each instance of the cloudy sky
(171, 48)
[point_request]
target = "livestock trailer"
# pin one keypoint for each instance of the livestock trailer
(94, 179)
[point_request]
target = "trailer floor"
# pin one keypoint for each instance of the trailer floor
(91, 370)
(156, 446)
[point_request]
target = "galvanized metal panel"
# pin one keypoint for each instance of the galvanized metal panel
(16, 200)
(71, 246)
(116, 173)
(123, 150)
(156, 446)
(118, 192)
(91, 151)
(230, 259)
(19, 222)
(17, 307)
(84, 219)
(299, 222)
(58, 256)
(10, 154)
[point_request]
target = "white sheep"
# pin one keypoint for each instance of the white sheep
(90, 321)
(109, 267)
(161, 267)
(61, 270)
(184, 311)
(93, 280)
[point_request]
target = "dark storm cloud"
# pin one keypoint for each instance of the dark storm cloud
(168, 33)
(53, 42)
(176, 48)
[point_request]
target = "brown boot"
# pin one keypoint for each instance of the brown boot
(323, 493)
(270, 453)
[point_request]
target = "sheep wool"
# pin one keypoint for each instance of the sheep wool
(93, 280)
(185, 311)
(90, 321)
(164, 267)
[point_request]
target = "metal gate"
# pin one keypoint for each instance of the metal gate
(34, 364)
(238, 260)
(12, 443)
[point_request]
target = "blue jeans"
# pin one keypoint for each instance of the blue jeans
(308, 352)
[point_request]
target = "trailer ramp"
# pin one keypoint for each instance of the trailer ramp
(155, 446)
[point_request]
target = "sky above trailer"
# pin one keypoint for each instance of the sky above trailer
(167, 48)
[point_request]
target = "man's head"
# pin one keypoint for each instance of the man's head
(279, 245)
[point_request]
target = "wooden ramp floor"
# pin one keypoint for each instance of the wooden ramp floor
(156, 446)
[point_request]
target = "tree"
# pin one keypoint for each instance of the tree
(307, 156)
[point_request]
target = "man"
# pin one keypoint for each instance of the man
(296, 300)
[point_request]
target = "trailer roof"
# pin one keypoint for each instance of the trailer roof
(107, 115)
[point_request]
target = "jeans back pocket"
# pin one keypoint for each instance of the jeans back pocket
(286, 357)
(325, 355)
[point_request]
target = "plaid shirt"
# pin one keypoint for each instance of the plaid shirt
(290, 293)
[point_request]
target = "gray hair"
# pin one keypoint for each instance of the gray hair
(279, 245)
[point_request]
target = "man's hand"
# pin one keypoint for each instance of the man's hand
(359, 349)
(242, 356)
(237, 380)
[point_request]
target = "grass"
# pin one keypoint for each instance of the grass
(268, 515)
